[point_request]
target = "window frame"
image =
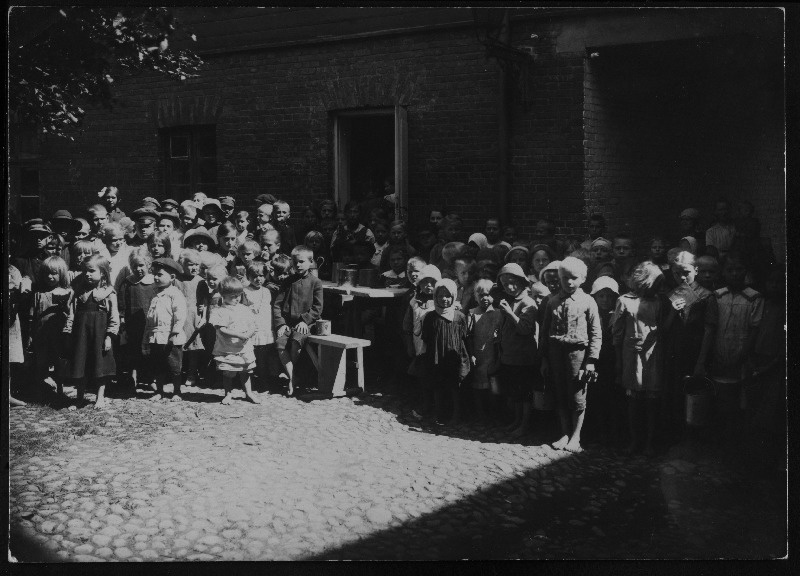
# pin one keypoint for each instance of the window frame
(194, 134)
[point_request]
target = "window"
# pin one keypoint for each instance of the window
(370, 145)
(190, 161)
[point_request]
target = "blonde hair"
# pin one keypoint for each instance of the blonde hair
(483, 286)
(645, 278)
(574, 266)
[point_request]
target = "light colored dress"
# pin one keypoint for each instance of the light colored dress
(233, 354)
(259, 300)
(636, 328)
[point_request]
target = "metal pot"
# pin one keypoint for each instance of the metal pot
(348, 277)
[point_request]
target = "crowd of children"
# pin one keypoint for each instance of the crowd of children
(182, 292)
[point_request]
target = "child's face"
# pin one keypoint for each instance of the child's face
(413, 271)
(552, 281)
(157, 249)
(302, 263)
(114, 243)
(462, 274)
(309, 219)
(281, 212)
(341, 220)
(52, 279)
(435, 218)
(397, 263)
(99, 219)
(315, 243)
(227, 211)
(443, 298)
(684, 273)
(492, 231)
(110, 200)
(213, 280)
(227, 242)
(211, 216)
(188, 220)
(270, 244)
(606, 300)
(241, 223)
(510, 234)
(81, 256)
(658, 249)
(231, 299)
(427, 285)
(569, 282)
(685, 246)
(426, 240)
(541, 230)
(145, 228)
(518, 257)
(488, 271)
(84, 232)
(192, 268)
(140, 269)
(93, 274)
(623, 248)
(163, 278)
(201, 245)
(734, 273)
(707, 274)
(452, 232)
(352, 216)
(381, 234)
(511, 284)
(326, 212)
(397, 234)
(247, 255)
(596, 229)
(264, 213)
(601, 253)
(484, 299)
(258, 279)
(328, 229)
(166, 225)
(41, 242)
(540, 260)
(281, 274)
(199, 197)
(52, 248)
(722, 211)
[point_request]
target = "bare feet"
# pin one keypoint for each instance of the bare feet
(290, 393)
(227, 399)
(99, 404)
(561, 443)
(14, 402)
(155, 397)
(574, 446)
(176, 398)
(253, 398)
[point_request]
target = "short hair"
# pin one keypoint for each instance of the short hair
(402, 250)
(452, 250)
(469, 263)
(83, 247)
(103, 264)
(84, 222)
(209, 259)
(230, 286)
(303, 250)
(226, 228)
(189, 210)
(251, 245)
(574, 266)
(271, 232)
(140, 254)
(256, 267)
(328, 202)
(496, 219)
(313, 235)
(707, 259)
(108, 230)
(621, 236)
(452, 219)
(95, 208)
(645, 278)
(583, 255)
(163, 238)
(684, 258)
(656, 237)
(218, 270)
(282, 203)
(280, 263)
(415, 261)
(672, 253)
(597, 217)
(483, 286)
(58, 265)
(189, 256)
(243, 213)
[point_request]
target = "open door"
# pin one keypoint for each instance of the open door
(401, 162)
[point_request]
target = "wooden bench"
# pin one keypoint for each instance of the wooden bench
(329, 355)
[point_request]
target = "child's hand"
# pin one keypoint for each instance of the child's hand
(301, 328)
(107, 344)
(283, 331)
(25, 285)
(679, 304)
(506, 307)
(589, 367)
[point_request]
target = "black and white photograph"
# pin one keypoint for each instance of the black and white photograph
(396, 282)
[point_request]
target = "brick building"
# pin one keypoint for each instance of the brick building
(636, 114)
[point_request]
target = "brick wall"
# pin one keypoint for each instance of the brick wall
(659, 140)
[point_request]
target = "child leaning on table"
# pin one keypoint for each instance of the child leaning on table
(297, 306)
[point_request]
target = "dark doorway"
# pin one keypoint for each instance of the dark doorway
(371, 154)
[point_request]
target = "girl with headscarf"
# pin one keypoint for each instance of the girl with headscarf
(688, 244)
(446, 357)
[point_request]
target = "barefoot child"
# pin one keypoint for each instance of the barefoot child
(608, 397)
(418, 308)
(164, 334)
(193, 350)
(483, 326)
(93, 320)
(446, 357)
(296, 308)
(571, 341)
(259, 299)
(233, 346)
(518, 350)
(135, 293)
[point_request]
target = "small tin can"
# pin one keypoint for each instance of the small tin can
(322, 328)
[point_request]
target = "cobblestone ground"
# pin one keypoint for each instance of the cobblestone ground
(352, 478)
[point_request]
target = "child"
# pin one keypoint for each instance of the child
(212, 215)
(658, 253)
(483, 328)
(98, 216)
(233, 346)
(436, 216)
(296, 308)
(145, 225)
(708, 272)
(395, 277)
(426, 240)
(328, 228)
(79, 251)
(259, 299)
(169, 223)
(48, 315)
(114, 239)
(518, 356)
(109, 196)
(571, 341)
(381, 232)
(92, 321)
(397, 238)
(281, 212)
(270, 241)
(509, 234)
(450, 230)
(247, 252)
(281, 266)
(596, 228)
(16, 352)
(242, 224)
(466, 271)
(519, 255)
(450, 252)
(310, 220)
(209, 297)
(734, 315)
(164, 336)
(541, 256)
(639, 324)
(688, 244)
(607, 397)
(352, 233)
(136, 291)
(322, 260)
(193, 348)
(226, 241)
(159, 245)
(418, 308)
(227, 203)
(720, 236)
(623, 259)
(492, 232)
(264, 219)
(446, 357)
(188, 213)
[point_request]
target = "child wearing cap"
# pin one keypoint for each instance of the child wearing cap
(571, 341)
(518, 351)
(212, 214)
(164, 336)
(608, 396)
(227, 203)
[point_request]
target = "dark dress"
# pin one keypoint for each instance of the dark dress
(91, 324)
(134, 302)
(446, 357)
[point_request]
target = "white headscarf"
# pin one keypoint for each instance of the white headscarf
(479, 240)
(450, 286)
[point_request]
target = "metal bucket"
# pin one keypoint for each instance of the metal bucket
(699, 392)
(348, 277)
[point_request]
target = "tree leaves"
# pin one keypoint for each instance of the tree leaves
(78, 56)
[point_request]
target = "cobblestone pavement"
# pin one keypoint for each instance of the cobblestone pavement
(352, 478)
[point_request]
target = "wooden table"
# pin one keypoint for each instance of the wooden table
(330, 360)
(361, 296)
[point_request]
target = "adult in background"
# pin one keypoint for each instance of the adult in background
(719, 238)
(596, 228)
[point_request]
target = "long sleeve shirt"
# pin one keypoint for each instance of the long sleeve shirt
(300, 299)
(573, 319)
(166, 315)
(107, 299)
(518, 340)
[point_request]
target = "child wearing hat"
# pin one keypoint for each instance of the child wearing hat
(212, 214)
(164, 334)
(570, 346)
(145, 219)
(227, 204)
(607, 396)
(518, 351)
